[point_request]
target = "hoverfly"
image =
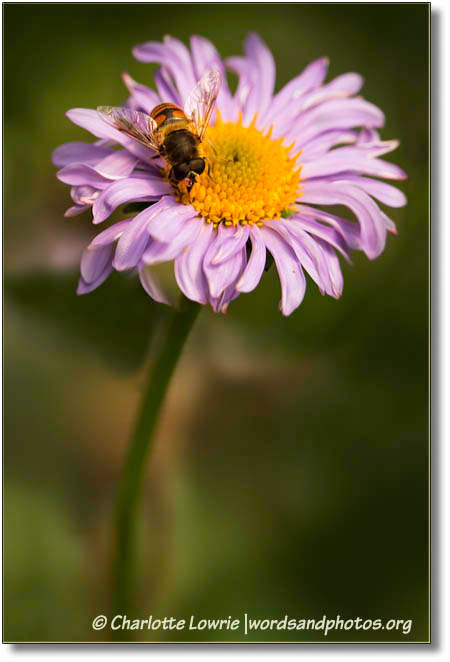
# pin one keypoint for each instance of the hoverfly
(175, 134)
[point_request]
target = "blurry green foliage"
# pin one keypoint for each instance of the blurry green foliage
(120, 337)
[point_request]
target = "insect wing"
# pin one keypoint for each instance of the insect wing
(200, 103)
(132, 123)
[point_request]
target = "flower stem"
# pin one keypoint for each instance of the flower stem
(175, 328)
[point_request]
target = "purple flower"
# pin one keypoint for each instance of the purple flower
(273, 157)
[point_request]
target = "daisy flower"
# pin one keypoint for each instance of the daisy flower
(275, 162)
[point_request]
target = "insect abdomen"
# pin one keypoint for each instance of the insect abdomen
(167, 113)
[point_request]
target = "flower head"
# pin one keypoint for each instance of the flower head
(271, 159)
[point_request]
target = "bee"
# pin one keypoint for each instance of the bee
(175, 134)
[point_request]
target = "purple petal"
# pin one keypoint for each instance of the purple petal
(85, 288)
(117, 165)
(373, 229)
(351, 159)
(166, 89)
(341, 87)
(292, 278)
(350, 83)
(165, 226)
(347, 229)
(79, 174)
(264, 66)
(307, 252)
(376, 147)
(110, 235)
(84, 195)
(311, 77)
(175, 57)
(334, 269)
(255, 266)
(76, 210)
(245, 70)
(91, 121)
(325, 141)
(257, 77)
(220, 304)
(368, 135)
(336, 114)
(189, 266)
(232, 240)
(385, 193)
(131, 189)
(205, 57)
(158, 252)
(79, 152)
(389, 223)
(152, 286)
(221, 275)
(94, 261)
(133, 241)
(330, 235)
(145, 98)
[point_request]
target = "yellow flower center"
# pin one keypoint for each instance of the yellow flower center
(248, 176)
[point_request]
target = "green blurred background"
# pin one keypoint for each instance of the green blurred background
(290, 471)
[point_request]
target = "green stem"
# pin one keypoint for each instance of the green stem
(175, 329)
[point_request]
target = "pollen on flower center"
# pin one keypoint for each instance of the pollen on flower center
(251, 177)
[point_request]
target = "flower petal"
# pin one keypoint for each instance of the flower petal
(325, 141)
(351, 159)
(222, 274)
(131, 189)
(110, 235)
(373, 229)
(257, 77)
(233, 239)
(189, 266)
(256, 263)
(347, 229)
(292, 278)
(94, 261)
(334, 269)
(90, 120)
(220, 304)
(76, 210)
(350, 83)
(264, 81)
(158, 252)
(205, 56)
(311, 77)
(385, 193)
(336, 114)
(133, 241)
(166, 89)
(80, 174)
(117, 165)
(84, 195)
(152, 286)
(166, 226)
(85, 288)
(79, 152)
(308, 253)
(175, 58)
(339, 88)
(300, 224)
(146, 98)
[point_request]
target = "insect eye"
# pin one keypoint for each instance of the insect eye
(181, 171)
(197, 165)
